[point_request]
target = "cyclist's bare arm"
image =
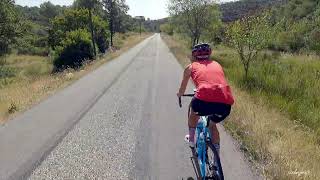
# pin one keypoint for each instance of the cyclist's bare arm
(185, 80)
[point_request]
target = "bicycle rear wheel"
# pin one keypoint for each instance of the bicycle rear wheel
(213, 172)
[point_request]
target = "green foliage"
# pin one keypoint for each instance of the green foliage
(249, 36)
(74, 50)
(290, 83)
(298, 25)
(33, 41)
(194, 17)
(232, 11)
(91, 6)
(314, 40)
(167, 28)
(298, 9)
(6, 72)
(102, 34)
(74, 19)
(11, 26)
(41, 15)
(116, 12)
(294, 21)
(87, 4)
(49, 10)
(37, 20)
(214, 32)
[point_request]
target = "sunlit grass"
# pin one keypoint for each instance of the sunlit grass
(290, 83)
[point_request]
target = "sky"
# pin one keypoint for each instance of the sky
(153, 9)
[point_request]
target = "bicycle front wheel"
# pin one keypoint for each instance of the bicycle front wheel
(214, 168)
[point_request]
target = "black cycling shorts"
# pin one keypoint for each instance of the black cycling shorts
(217, 112)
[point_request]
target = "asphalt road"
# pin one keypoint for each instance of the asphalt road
(121, 121)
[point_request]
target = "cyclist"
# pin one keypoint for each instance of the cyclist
(213, 95)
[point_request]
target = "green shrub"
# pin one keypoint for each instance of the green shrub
(74, 19)
(2, 61)
(75, 49)
(6, 72)
(32, 45)
(314, 40)
(101, 34)
(32, 51)
(103, 43)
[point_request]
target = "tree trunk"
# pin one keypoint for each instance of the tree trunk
(111, 19)
(194, 41)
(140, 27)
(92, 33)
(246, 69)
(111, 34)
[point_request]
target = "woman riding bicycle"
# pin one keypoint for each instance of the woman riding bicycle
(213, 95)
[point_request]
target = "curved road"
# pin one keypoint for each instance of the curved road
(121, 121)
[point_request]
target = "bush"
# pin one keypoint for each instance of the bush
(32, 45)
(101, 34)
(314, 40)
(102, 43)
(75, 49)
(32, 51)
(6, 72)
(75, 19)
(167, 28)
(290, 41)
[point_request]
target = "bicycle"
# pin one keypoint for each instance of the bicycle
(209, 164)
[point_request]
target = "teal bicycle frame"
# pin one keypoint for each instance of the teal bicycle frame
(204, 138)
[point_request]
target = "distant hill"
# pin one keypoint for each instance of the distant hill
(154, 25)
(232, 11)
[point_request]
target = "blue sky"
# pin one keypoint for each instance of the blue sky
(153, 9)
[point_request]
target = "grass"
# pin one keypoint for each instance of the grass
(278, 146)
(288, 82)
(26, 80)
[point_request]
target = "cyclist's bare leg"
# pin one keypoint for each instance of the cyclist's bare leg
(193, 119)
(192, 123)
(215, 133)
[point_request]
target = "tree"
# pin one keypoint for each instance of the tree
(90, 5)
(74, 50)
(214, 31)
(249, 36)
(11, 26)
(140, 19)
(116, 11)
(74, 19)
(49, 10)
(193, 16)
(167, 28)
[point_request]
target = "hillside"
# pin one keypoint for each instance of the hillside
(232, 11)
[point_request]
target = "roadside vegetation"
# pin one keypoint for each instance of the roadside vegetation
(46, 48)
(29, 79)
(271, 57)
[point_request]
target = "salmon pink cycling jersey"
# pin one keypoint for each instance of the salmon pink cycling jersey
(210, 82)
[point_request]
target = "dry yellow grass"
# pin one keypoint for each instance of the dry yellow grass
(278, 147)
(27, 89)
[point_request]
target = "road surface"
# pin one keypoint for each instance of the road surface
(121, 121)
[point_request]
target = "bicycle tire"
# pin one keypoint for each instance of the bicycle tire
(220, 175)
